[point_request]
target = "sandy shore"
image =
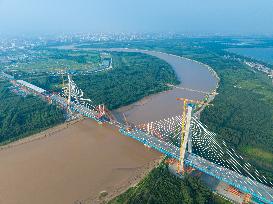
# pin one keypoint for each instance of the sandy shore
(72, 164)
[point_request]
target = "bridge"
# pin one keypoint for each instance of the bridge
(182, 138)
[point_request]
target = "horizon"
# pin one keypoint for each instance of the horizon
(186, 17)
(126, 35)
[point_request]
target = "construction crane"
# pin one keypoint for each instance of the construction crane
(128, 126)
(185, 128)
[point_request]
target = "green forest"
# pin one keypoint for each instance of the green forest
(133, 77)
(241, 115)
(160, 187)
(23, 116)
(242, 112)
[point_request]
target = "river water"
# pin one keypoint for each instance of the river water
(81, 160)
(192, 74)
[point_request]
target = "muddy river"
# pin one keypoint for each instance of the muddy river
(192, 74)
(80, 161)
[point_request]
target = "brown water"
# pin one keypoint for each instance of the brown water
(79, 162)
(74, 164)
(192, 75)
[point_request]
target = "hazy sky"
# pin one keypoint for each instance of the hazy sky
(185, 16)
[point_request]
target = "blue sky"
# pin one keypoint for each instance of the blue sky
(184, 16)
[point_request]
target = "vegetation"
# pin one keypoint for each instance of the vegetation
(259, 153)
(48, 82)
(42, 60)
(133, 77)
(242, 114)
(22, 116)
(162, 187)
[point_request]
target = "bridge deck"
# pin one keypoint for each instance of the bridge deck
(75, 107)
(245, 184)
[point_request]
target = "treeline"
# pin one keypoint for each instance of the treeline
(242, 114)
(20, 117)
(243, 109)
(134, 76)
(162, 187)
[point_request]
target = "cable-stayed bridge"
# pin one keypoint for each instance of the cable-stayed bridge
(183, 138)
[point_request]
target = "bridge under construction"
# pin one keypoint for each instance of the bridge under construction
(174, 137)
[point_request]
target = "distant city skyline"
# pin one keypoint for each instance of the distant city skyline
(244, 17)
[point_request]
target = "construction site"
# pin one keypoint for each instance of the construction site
(178, 138)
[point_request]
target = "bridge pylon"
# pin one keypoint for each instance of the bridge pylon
(69, 94)
(185, 130)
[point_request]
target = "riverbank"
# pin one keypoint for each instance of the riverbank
(192, 74)
(41, 135)
(88, 163)
(75, 163)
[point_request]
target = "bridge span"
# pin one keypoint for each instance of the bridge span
(257, 190)
(245, 184)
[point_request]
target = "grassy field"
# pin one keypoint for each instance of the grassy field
(43, 59)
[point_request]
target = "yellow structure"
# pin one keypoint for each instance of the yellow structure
(185, 126)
